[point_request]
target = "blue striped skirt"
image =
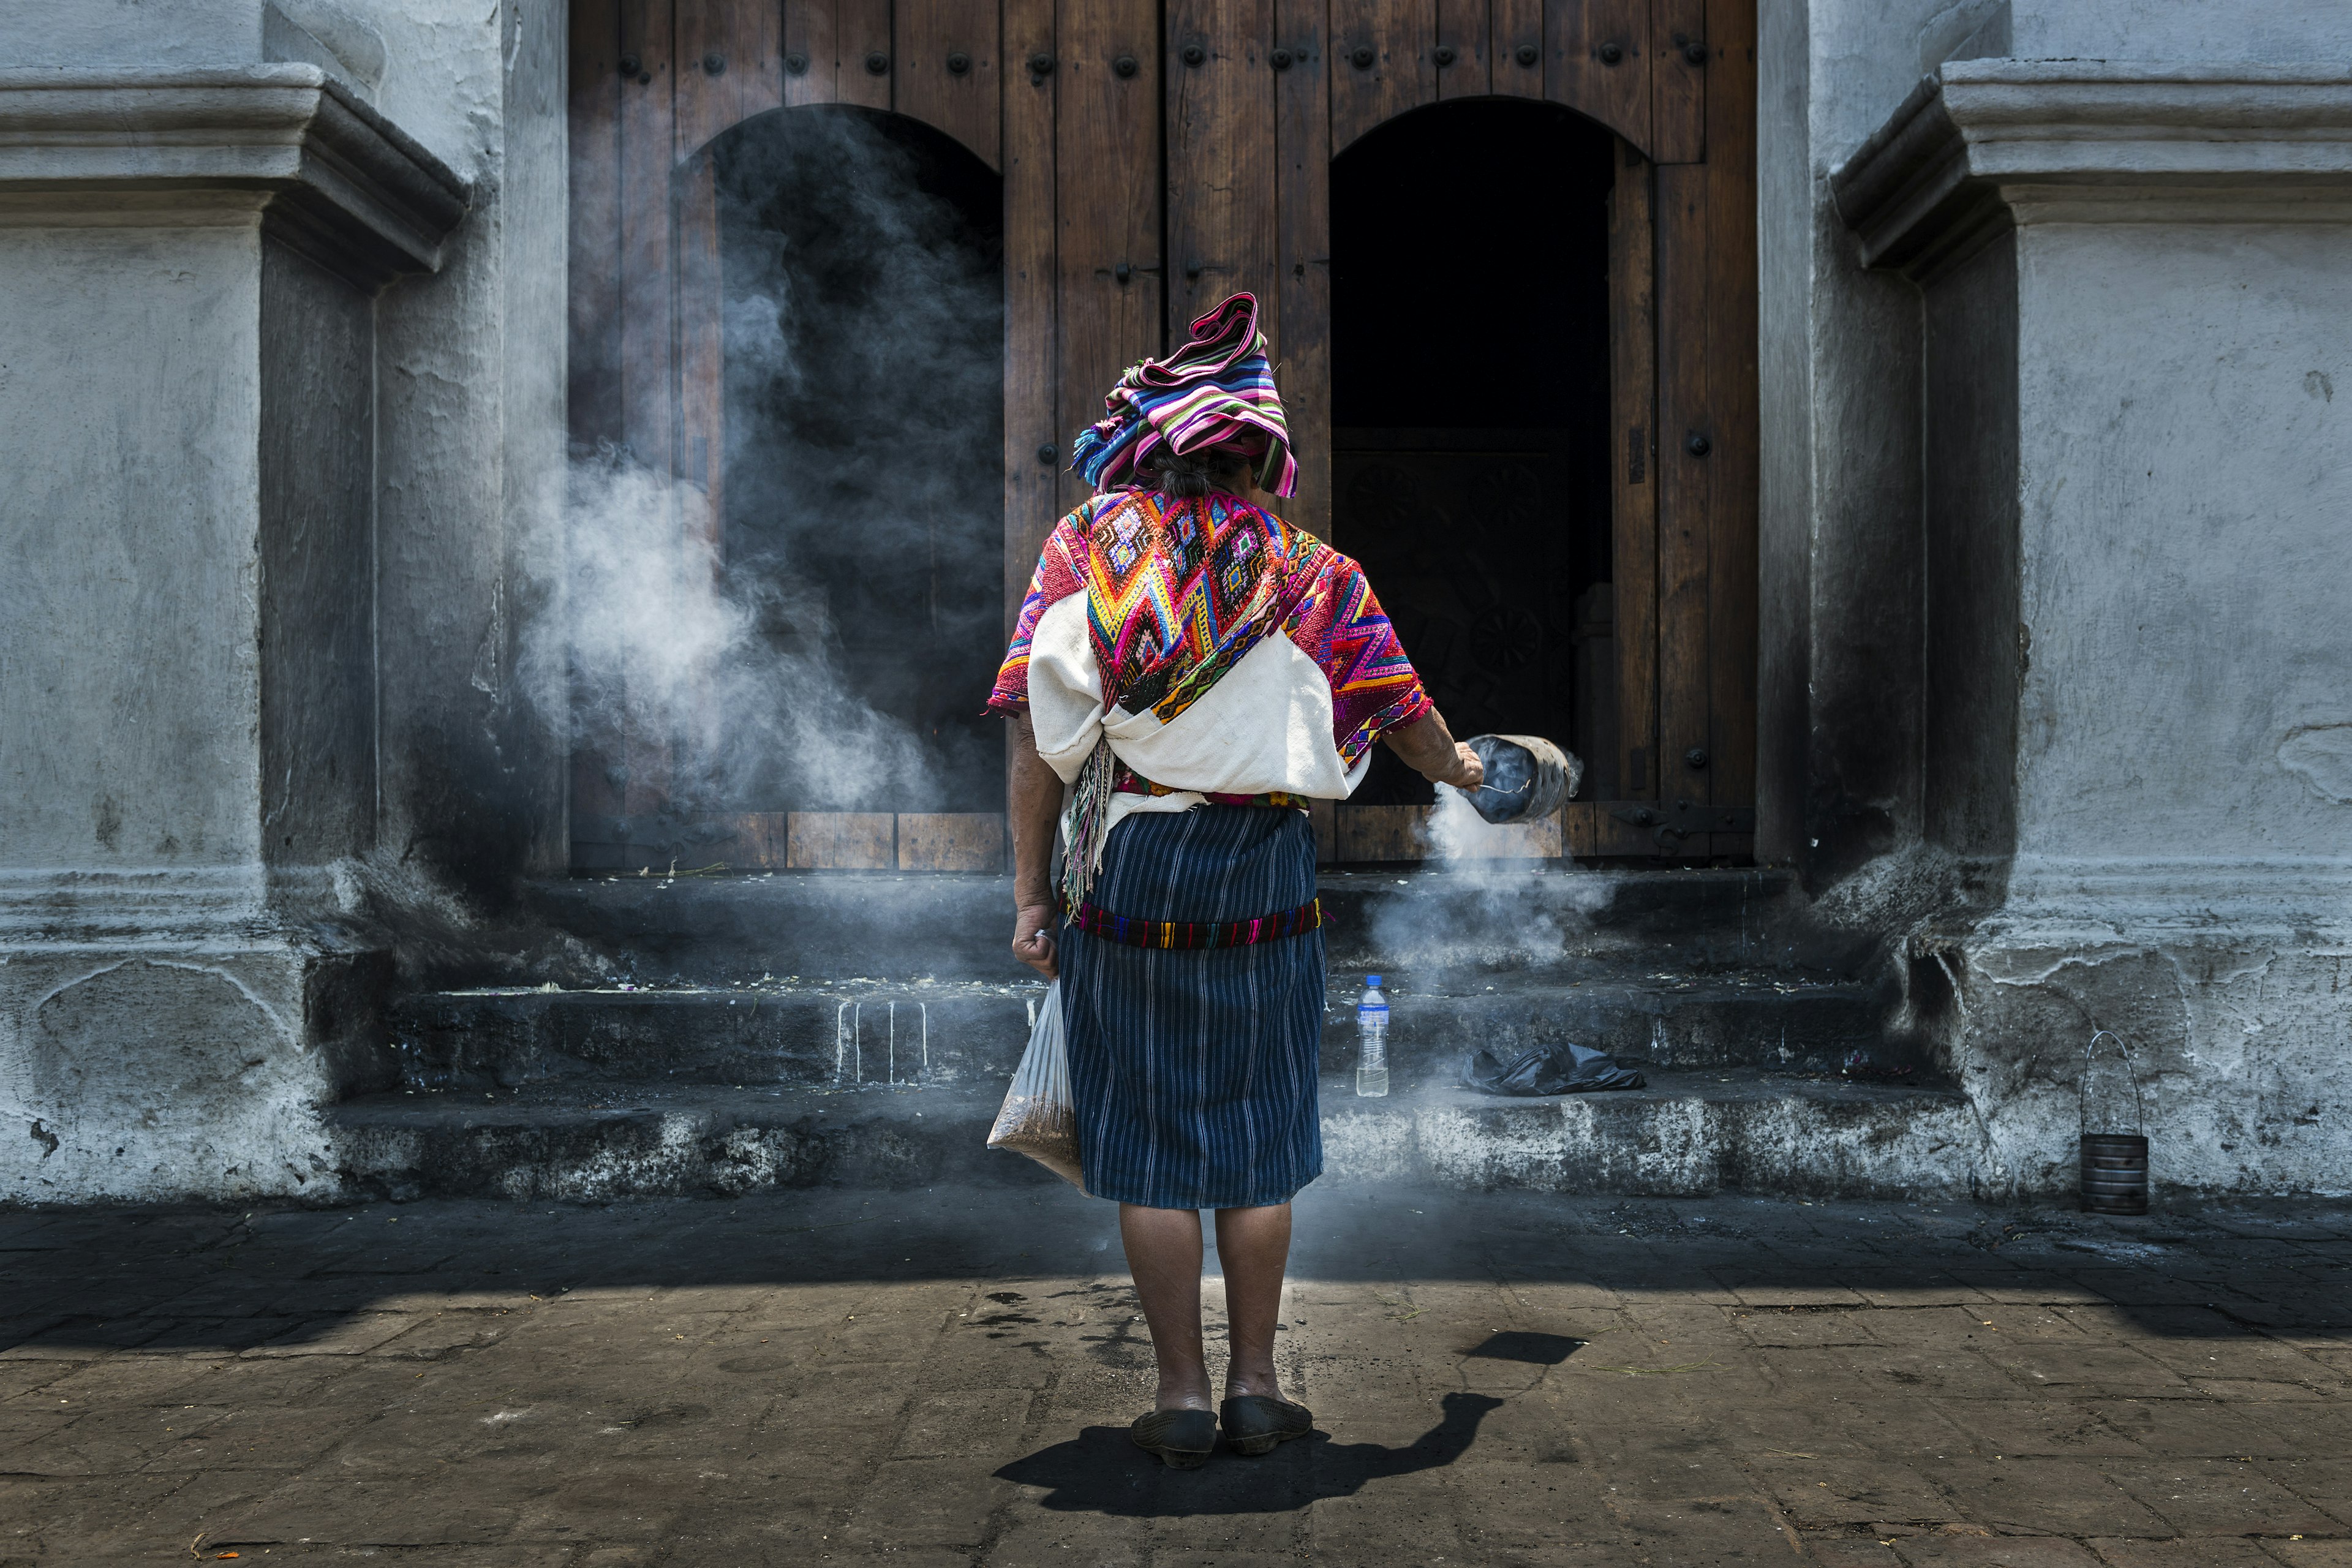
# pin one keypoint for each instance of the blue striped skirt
(1194, 1073)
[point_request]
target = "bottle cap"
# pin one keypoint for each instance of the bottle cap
(1373, 981)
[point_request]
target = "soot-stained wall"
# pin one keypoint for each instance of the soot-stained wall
(317, 473)
(468, 522)
(1976, 647)
(1840, 671)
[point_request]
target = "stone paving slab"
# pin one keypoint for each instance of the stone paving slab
(944, 1377)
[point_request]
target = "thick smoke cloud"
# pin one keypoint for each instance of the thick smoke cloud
(821, 635)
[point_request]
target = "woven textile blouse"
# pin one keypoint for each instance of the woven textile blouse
(1217, 649)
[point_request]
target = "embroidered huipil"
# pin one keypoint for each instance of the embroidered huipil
(1209, 649)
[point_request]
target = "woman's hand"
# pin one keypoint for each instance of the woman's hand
(1035, 807)
(1429, 749)
(1032, 934)
(1469, 772)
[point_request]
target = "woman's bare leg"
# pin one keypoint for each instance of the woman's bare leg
(1254, 1247)
(1164, 1254)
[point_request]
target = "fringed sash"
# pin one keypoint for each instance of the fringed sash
(1086, 822)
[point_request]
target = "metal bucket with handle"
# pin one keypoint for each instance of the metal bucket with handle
(1528, 777)
(2115, 1162)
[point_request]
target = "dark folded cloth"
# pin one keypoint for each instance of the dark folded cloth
(1562, 1068)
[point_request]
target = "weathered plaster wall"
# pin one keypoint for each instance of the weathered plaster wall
(2238, 1047)
(1840, 730)
(127, 547)
(2212, 31)
(180, 1071)
(468, 424)
(2137, 750)
(471, 377)
(252, 499)
(338, 35)
(1785, 223)
(317, 355)
(2185, 848)
(2185, 505)
(183, 678)
(141, 33)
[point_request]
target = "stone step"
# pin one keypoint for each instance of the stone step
(833, 926)
(849, 1034)
(591, 1142)
(947, 1035)
(1687, 1135)
(1669, 1022)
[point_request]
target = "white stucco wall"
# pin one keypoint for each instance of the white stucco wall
(2184, 842)
(149, 34)
(2212, 31)
(1840, 675)
(239, 480)
(2187, 533)
(446, 67)
(2183, 753)
(128, 387)
(154, 1041)
(471, 384)
(1841, 680)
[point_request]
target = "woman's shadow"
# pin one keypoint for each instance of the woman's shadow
(1100, 1471)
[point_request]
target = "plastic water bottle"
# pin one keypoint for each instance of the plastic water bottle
(1371, 1040)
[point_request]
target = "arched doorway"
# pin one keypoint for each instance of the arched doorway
(861, 340)
(1470, 413)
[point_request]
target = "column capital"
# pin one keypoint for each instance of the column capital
(1984, 145)
(331, 179)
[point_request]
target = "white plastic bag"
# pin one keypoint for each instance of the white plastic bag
(1038, 1119)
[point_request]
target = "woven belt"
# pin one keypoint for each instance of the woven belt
(1193, 935)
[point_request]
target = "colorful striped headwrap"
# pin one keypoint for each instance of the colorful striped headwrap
(1216, 390)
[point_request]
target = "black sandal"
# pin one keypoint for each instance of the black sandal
(1182, 1438)
(1254, 1422)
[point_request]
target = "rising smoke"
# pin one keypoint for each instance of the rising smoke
(822, 636)
(1490, 910)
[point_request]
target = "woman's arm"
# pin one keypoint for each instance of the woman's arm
(1429, 749)
(1036, 811)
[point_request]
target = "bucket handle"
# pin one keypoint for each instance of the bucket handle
(2083, 1087)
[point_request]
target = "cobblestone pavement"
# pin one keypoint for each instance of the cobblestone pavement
(937, 1378)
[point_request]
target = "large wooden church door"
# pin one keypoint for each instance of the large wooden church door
(1156, 155)
(1670, 747)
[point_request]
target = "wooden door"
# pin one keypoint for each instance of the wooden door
(1213, 123)
(1674, 80)
(1259, 99)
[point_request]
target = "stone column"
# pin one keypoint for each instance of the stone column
(189, 265)
(2137, 399)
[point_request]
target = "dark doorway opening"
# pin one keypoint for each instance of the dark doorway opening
(1471, 416)
(861, 259)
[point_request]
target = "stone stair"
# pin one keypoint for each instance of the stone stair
(802, 1030)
